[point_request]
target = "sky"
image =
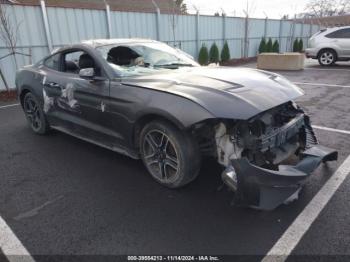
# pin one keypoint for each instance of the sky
(259, 8)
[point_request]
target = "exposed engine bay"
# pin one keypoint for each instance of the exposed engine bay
(266, 157)
(266, 139)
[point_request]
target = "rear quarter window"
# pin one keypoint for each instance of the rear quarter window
(342, 33)
(53, 62)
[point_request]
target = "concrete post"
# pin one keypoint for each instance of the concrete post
(310, 29)
(265, 28)
(109, 24)
(46, 25)
(246, 24)
(157, 19)
(223, 27)
(280, 31)
(198, 40)
(293, 33)
(302, 29)
(158, 24)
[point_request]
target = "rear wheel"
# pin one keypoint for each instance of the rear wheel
(327, 57)
(35, 114)
(170, 155)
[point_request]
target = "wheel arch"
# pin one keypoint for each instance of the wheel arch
(173, 110)
(325, 49)
(149, 117)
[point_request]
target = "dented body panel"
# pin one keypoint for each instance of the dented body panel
(244, 118)
(233, 93)
(266, 189)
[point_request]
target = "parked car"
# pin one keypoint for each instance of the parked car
(330, 45)
(147, 100)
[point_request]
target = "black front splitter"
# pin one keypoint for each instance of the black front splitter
(266, 189)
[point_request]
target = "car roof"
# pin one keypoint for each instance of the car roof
(337, 28)
(94, 43)
(116, 41)
(324, 31)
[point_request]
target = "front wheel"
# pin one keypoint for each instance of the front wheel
(327, 58)
(170, 155)
(35, 114)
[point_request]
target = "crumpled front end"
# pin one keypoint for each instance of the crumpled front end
(269, 157)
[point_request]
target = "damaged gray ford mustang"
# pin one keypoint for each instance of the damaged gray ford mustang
(147, 100)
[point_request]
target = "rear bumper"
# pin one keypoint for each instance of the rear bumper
(311, 53)
(266, 189)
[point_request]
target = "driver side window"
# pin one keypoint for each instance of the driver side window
(76, 60)
(71, 62)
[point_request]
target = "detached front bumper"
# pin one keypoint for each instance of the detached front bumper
(266, 189)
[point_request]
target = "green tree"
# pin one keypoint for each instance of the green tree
(214, 53)
(269, 46)
(262, 46)
(276, 47)
(203, 56)
(301, 45)
(296, 45)
(181, 5)
(225, 53)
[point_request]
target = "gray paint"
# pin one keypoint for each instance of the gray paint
(237, 93)
(266, 189)
(108, 111)
(205, 92)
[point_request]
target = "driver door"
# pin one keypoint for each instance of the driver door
(79, 103)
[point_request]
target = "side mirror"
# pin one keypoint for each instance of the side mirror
(87, 73)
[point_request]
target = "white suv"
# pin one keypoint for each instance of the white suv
(330, 45)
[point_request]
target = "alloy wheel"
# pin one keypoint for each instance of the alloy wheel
(160, 156)
(327, 58)
(33, 113)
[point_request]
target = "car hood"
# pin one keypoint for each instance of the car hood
(235, 93)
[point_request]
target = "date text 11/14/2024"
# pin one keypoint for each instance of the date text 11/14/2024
(173, 258)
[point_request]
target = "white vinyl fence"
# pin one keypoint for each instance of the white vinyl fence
(42, 29)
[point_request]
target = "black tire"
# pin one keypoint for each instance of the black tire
(327, 57)
(161, 143)
(35, 114)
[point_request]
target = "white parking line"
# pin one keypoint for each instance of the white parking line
(331, 129)
(327, 69)
(319, 84)
(7, 106)
(292, 236)
(11, 246)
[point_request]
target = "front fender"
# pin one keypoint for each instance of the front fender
(27, 79)
(181, 111)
